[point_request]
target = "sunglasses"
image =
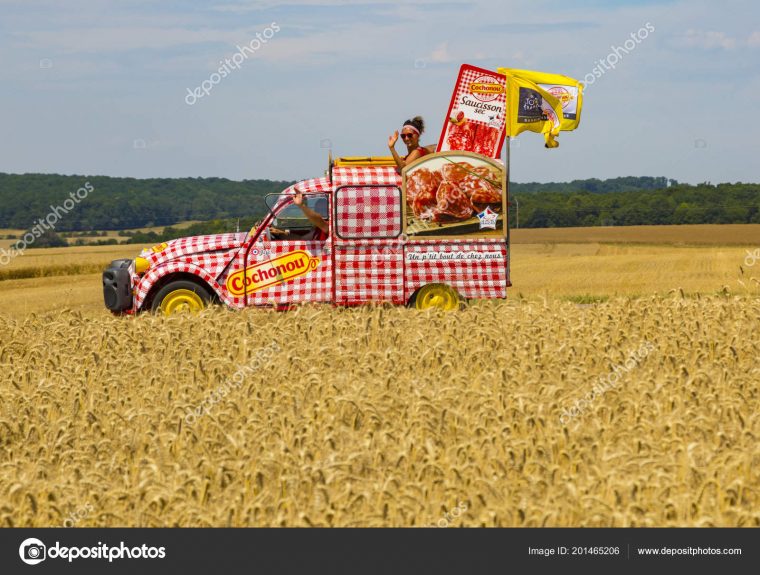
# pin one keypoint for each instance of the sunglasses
(405, 136)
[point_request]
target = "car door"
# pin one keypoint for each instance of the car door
(369, 255)
(287, 264)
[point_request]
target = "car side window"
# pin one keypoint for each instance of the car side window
(368, 212)
(291, 222)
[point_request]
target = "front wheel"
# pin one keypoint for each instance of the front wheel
(181, 296)
(438, 296)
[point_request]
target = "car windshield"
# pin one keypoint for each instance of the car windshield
(290, 218)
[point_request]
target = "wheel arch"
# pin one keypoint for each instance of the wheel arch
(157, 278)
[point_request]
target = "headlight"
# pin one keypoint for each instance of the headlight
(141, 265)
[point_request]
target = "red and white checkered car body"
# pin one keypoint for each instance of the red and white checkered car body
(365, 258)
(202, 256)
(473, 279)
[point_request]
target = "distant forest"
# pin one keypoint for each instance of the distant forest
(677, 204)
(123, 203)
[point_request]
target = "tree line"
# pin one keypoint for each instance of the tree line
(123, 203)
(677, 204)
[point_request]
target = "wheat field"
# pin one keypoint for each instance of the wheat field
(384, 416)
(539, 271)
(502, 414)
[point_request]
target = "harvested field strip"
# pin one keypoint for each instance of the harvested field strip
(51, 271)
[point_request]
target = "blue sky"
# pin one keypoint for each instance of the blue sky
(99, 87)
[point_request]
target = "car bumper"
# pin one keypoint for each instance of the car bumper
(117, 286)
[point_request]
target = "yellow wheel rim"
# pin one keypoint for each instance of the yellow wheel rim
(437, 296)
(182, 300)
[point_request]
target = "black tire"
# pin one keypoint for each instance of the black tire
(176, 285)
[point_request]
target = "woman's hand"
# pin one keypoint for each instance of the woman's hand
(298, 199)
(393, 139)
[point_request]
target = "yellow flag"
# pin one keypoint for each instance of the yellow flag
(542, 102)
(567, 90)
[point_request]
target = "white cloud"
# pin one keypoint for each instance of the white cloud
(241, 7)
(754, 39)
(707, 40)
(99, 40)
(441, 54)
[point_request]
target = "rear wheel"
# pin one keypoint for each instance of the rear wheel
(438, 296)
(181, 296)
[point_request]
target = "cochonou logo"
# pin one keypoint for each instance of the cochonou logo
(33, 551)
(486, 88)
